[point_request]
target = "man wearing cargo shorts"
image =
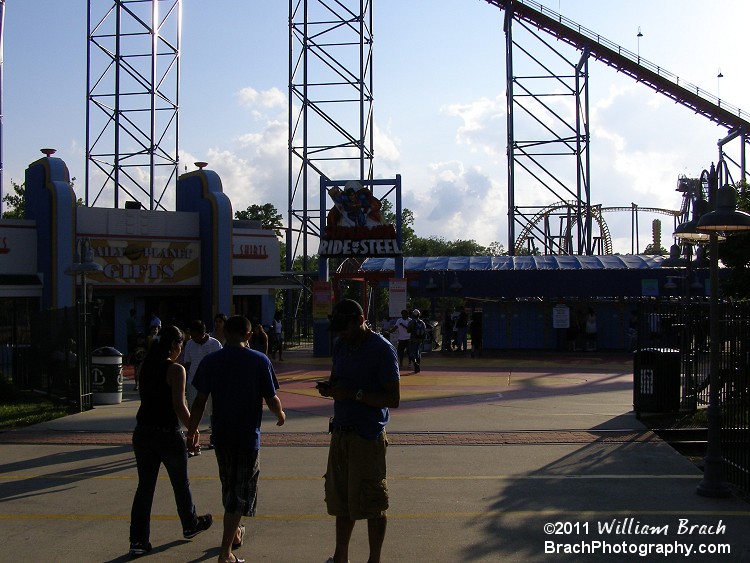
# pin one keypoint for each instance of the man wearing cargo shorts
(364, 384)
(239, 380)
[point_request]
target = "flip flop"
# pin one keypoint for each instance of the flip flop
(238, 545)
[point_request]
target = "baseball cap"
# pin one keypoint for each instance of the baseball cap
(343, 312)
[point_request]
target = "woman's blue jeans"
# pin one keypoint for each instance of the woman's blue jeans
(152, 447)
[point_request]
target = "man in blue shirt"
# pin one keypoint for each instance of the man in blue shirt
(238, 380)
(364, 384)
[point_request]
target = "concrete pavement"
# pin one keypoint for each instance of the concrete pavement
(490, 459)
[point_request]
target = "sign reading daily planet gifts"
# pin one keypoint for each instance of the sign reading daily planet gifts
(146, 262)
(355, 225)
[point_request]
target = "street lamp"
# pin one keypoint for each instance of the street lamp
(723, 219)
(639, 43)
(84, 264)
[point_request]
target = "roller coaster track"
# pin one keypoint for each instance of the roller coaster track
(597, 215)
(627, 62)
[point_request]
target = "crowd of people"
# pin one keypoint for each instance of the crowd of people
(229, 375)
(181, 377)
(415, 334)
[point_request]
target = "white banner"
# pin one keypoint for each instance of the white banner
(396, 296)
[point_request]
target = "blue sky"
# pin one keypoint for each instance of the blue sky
(439, 101)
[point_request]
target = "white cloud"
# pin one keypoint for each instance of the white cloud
(267, 99)
(461, 202)
(483, 126)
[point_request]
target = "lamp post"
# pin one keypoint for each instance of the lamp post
(723, 219)
(84, 264)
(639, 43)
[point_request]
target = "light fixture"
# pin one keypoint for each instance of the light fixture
(725, 218)
(670, 285)
(431, 284)
(83, 264)
(688, 230)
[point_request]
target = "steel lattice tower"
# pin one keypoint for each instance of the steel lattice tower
(548, 142)
(132, 101)
(330, 107)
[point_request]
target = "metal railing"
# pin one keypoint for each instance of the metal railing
(681, 328)
(56, 362)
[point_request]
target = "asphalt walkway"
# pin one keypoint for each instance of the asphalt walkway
(522, 458)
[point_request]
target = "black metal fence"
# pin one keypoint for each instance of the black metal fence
(57, 360)
(672, 361)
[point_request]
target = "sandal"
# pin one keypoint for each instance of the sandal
(238, 545)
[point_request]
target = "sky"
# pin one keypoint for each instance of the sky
(439, 109)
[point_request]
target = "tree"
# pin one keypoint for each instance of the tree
(407, 222)
(267, 214)
(15, 203)
(735, 252)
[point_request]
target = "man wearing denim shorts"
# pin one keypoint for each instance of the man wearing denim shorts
(364, 384)
(238, 379)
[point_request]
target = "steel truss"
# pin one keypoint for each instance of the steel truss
(330, 108)
(548, 145)
(133, 71)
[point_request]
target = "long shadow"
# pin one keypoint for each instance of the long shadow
(522, 389)
(49, 479)
(603, 485)
(158, 551)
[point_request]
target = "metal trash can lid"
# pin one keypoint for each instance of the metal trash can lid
(106, 351)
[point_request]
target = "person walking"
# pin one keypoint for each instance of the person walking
(259, 338)
(402, 326)
(218, 332)
(239, 380)
(417, 330)
(277, 337)
(364, 385)
(198, 347)
(462, 329)
(157, 440)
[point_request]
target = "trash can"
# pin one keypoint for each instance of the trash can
(106, 376)
(656, 380)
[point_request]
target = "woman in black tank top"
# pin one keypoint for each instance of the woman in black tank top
(158, 439)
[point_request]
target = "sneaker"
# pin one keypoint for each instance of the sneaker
(202, 524)
(195, 452)
(139, 548)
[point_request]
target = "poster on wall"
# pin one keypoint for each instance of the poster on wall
(650, 288)
(561, 316)
(322, 300)
(355, 225)
(396, 296)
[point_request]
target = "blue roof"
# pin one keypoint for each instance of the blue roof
(522, 263)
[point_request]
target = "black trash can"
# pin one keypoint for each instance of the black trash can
(656, 380)
(106, 376)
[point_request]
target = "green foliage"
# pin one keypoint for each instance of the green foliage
(438, 246)
(15, 203)
(267, 214)
(735, 252)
